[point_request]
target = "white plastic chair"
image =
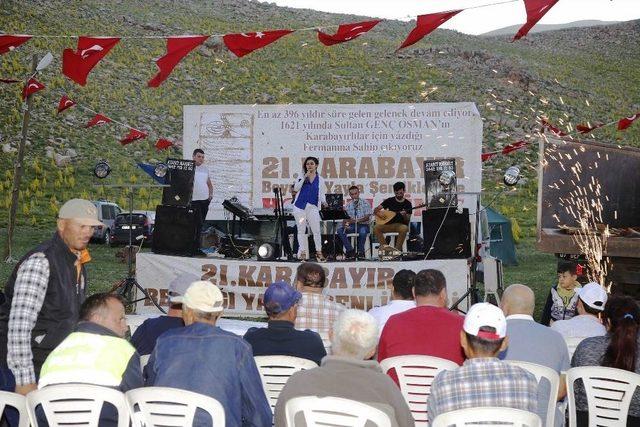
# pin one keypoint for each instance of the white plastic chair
(486, 416)
(76, 404)
(275, 372)
(326, 342)
(572, 343)
(334, 411)
(16, 401)
(552, 376)
(608, 391)
(169, 407)
(415, 375)
(144, 359)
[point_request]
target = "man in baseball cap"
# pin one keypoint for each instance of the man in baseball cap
(483, 379)
(591, 300)
(206, 359)
(280, 337)
(49, 303)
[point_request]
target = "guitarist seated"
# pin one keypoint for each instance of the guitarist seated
(393, 216)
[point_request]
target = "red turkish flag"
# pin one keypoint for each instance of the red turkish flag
(65, 103)
(8, 42)
(32, 86)
(536, 9)
(425, 24)
(244, 43)
(163, 144)
(98, 120)
(9, 81)
(177, 48)
(77, 65)
(346, 32)
(554, 130)
(487, 156)
(586, 128)
(627, 121)
(133, 135)
(513, 147)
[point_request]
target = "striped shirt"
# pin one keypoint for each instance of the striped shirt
(317, 312)
(482, 382)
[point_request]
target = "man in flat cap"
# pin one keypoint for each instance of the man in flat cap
(43, 297)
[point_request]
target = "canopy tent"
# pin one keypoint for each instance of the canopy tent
(501, 244)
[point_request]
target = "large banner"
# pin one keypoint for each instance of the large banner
(357, 285)
(252, 149)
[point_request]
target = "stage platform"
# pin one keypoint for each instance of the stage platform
(362, 284)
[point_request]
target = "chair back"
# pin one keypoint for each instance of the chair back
(608, 391)
(326, 342)
(275, 372)
(333, 411)
(17, 401)
(144, 359)
(415, 375)
(550, 375)
(171, 407)
(76, 404)
(572, 343)
(488, 416)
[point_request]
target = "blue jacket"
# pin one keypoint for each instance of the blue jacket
(281, 338)
(208, 360)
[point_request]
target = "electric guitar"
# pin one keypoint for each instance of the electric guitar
(385, 215)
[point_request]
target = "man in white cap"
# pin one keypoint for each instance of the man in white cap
(591, 300)
(43, 297)
(205, 359)
(483, 380)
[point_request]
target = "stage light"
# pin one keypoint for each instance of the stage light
(446, 178)
(512, 176)
(102, 169)
(268, 251)
(160, 170)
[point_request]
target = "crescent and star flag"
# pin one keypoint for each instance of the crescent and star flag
(627, 121)
(487, 156)
(554, 130)
(8, 42)
(32, 86)
(536, 9)
(242, 44)
(177, 48)
(346, 32)
(163, 144)
(98, 120)
(133, 135)
(9, 81)
(65, 103)
(77, 65)
(515, 146)
(587, 128)
(426, 24)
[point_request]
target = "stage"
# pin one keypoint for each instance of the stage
(362, 284)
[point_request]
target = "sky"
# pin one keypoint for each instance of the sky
(480, 19)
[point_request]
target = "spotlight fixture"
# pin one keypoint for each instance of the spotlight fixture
(446, 178)
(102, 169)
(268, 251)
(512, 176)
(160, 170)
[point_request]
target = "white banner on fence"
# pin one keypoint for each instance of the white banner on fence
(358, 285)
(252, 149)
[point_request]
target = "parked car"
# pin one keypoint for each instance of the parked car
(140, 224)
(107, 212)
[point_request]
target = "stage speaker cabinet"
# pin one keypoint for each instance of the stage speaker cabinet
(453, 241)
(175, 231)
(180, 176)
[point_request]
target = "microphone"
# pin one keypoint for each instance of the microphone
(140, 237)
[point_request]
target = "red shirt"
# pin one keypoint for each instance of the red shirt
(428, 330)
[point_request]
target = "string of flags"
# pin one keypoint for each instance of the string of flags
(78, 63)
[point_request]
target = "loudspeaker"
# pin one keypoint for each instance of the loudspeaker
(180, 175)
(175, 231)
(454, 238)
(329, 245)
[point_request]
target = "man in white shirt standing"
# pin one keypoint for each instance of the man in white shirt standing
(202, 190)
(401, 300)
(591, 300)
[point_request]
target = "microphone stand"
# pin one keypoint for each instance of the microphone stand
(355, 211)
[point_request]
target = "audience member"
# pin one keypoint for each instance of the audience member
(96, 352)
(280, 337)
(591, 301)
(349, 373)
(483, 380)
(562, 299)
(429, 329)
(401, 299)
(619, 348)
(144, 338)
(43, 297)
(205, 359)
(315, 310)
